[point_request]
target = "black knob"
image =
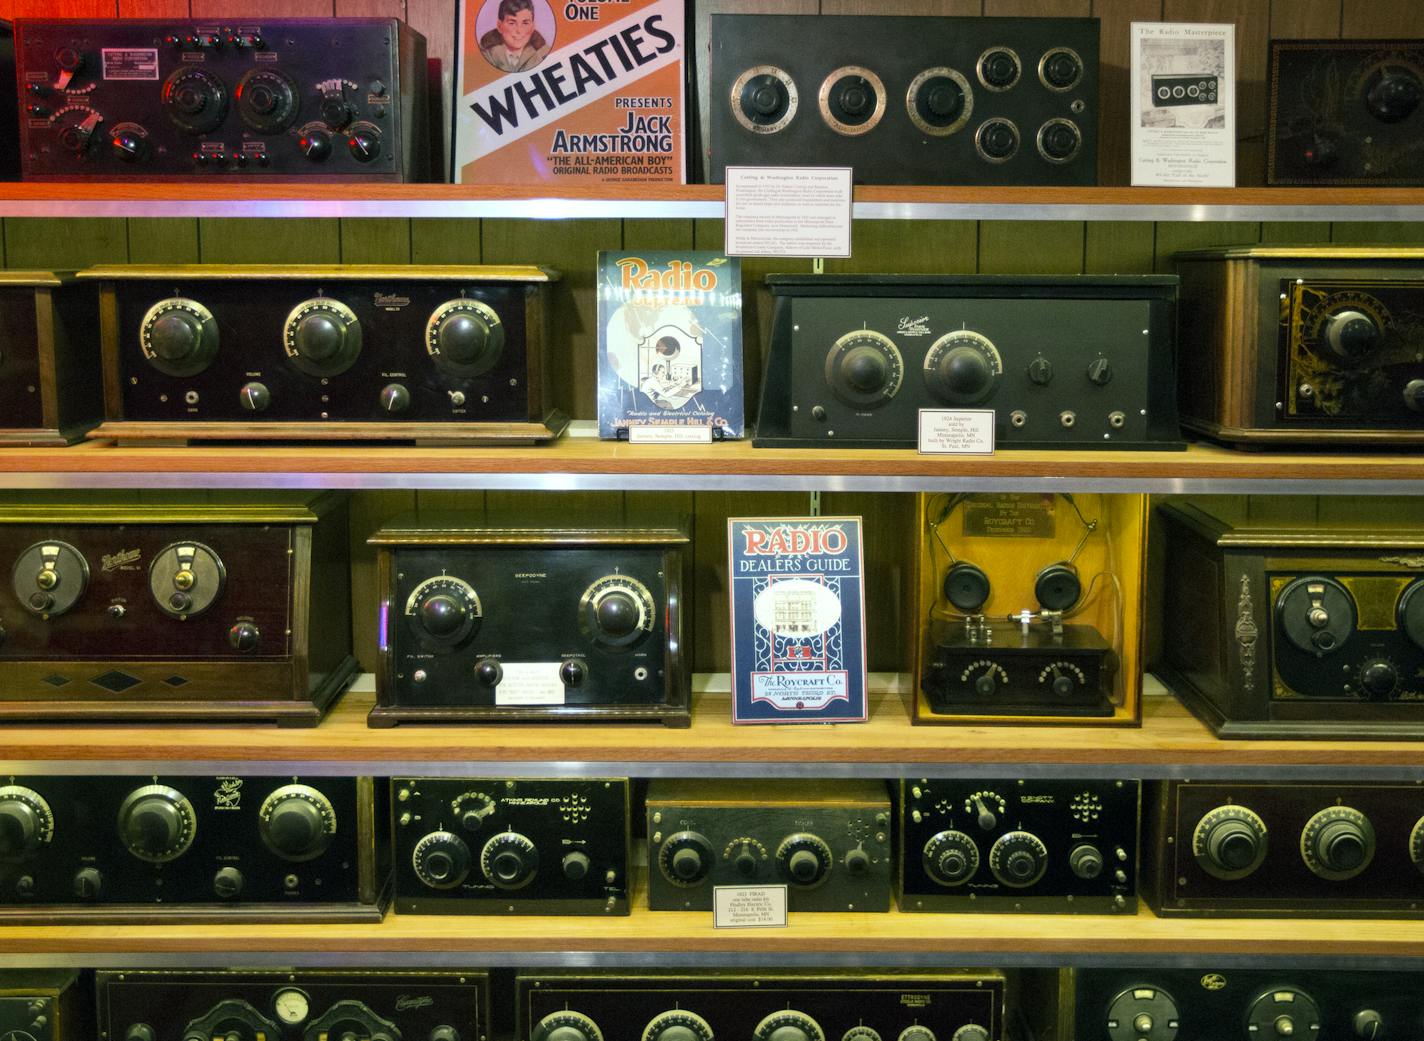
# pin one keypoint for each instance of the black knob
(1040, 371)
(1342, 845)
(573, 673)
(315, 145)
(395, 398)
(765, 99)
(462, 337)
(1414, 395)
(1060, 140)
(442, 615)
(617, 614)
(1062, 69)
(156, 825)
(19, 828)
(488, 673)
(944, 99)
(1064, 685)
(857, 862)
(575, 865)
(254, 397)
(1020, 865)
(745, 862)
(227, 883)
(1085, 861)
(441, 860)
(175, 336)
(970, 1032)
(1233, 845)
(1100, 372)
(999, 69)
(865, 369)
(509, 860)
(965, 372)
(1379, 678)
(1368, 1025)
(140, 1032)
(244, 637)
(444, 1032)
(68, 59)
(295, 827)
(319, 337)
(687, 864)
(364, 145)
(88, 883)
(1394, 95)
(985, 684)
(998, 139)
(128, 146)
(952, 864)
(335, 111)
(1352, 336)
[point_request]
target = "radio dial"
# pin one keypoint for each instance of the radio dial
(950, 858)
(266, 100)
(315, 145)
(1338, 843)
(297, 822)
(962, 368)
(186, 578)
(789, 1025)
(1018, 859)
(179, 337)
(677, 1025)
(1284, 1013)
(616, 611)
(1060, 69)
(971, 1032)
(157, 823)
(336, 111)
(864, 369)
(566, 1026)
(195, 100)
(804, 859)
(322, 337)
(1142, 1014)
(1414, 395)
(999, 68)
(917, 1032)
(1393, 95)
(128, 146)
(1352, 336)
(1059, 140)
(464, 337)
(350, 1020)
(441, 860)
(861, 1033)
(685, 858)
(364, 142)
(231, 1020)
(1229, 842)
(764, 99)
(49, 577)
(444, 611)
(26, 822)
(509, 860)
(1316, 613)
(940, 101)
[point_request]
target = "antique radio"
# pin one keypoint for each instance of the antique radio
(1056, 846)
(1228, 1003)
(253, 352)
(1345, 112)
(46, 1005)
(529, 618)
(294, 1005)
(570, 1006)
(134, 611)
(338, 99)
(1070, 361)
(908, 100)
(1306, 622)
(828, 842)
(49, 362)
(1028, 608)
(1246, 849)
(165, 849)
(527, 846)
(1310, 345)
(1173, 90)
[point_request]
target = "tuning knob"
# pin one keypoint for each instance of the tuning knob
(1085, 861)
(971, 1032)
(395, 398)
(1352, 336)
(1393, 95)
(617, 611)
(297, 822)
(1337, 843)
(464, 337)
(1283, 1012)
(1229, 842)
(1368, 1025)
(1316, 614)
(566, 1026)
(509, 860)
(950, 858)
(685, 858)
(178, 337)
(575, 865)
(573, 672)
(227, 883)
(788, 1025)
(962, 368)
(350, 1020)
(997, 140)
(804, 859)
(315, 145)
(1018, 859)
(1414, 395)
(1059, 140)
(267, 100)
(157, 823)
(186, 578)
(26, 822)
(443, 611)
(244, 637)
(128, 146)
(441, 860)
(1379, 678)
(336, 111)
(254, 396)
(917, 1032)
(194, 100)
(677, 1025)
(1100, 372)
(231, 1020)
(364, 143)
(864, 369)
(1060, 69)
(999, 68)
(322, 337)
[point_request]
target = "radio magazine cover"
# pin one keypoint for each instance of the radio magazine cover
(573, 93)
(798, 619)
(669, 341)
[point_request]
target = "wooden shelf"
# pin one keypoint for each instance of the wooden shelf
(584, 462)
(682, 938)
(219, 198)
(1170, 743)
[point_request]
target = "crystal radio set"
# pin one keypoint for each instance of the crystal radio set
(1027, 608)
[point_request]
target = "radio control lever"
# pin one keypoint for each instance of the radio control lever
(315, 145)
(1368, 1025)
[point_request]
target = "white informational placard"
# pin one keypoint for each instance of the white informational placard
(1183, 90)
(749, 907)
(788, 211)
(956, 431)
(529, 683)
(659, 434)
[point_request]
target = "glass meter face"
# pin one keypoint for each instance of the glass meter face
(291, 1006)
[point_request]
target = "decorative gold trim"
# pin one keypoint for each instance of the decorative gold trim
(344, 272)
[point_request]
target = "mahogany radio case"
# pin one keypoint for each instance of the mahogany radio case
(434, 355)
(46, 1005)
(527, 618)
(50, 390)
(200, 611)
(1304, 345)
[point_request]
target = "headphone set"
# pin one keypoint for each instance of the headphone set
(1057, 586)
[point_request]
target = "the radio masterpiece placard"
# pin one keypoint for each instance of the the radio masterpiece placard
(798, 619)
(571, 93)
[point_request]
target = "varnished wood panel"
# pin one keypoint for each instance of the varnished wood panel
(1114, 72)
(1386, 19)
(1305, 19)
(1030, 247)
(241, 240)
(375, 241)
(32, 242)
(1119, 247)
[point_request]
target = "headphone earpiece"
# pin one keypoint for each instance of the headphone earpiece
(966, 586)
(1057, 587)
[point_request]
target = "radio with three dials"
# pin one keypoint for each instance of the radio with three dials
(907, 100)
(259, 352)
(260, 99)
(1310, 345)
(1072, 361)
(1307, 622)
(294, 1005)
(522, 846)
(763, 1006)
(133, 611)
(1263, 849)
(1014, 845)
(116, 848)
(509, 618)
(828, 842)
